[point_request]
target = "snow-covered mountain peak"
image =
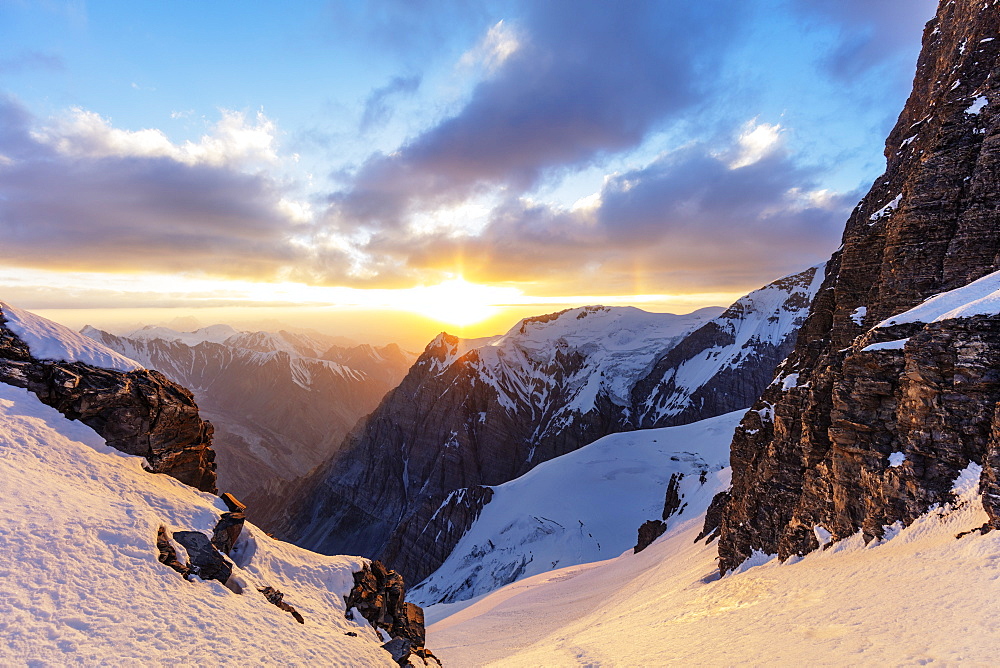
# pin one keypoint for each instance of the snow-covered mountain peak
(613, 328)
(296, 345)
(445, 349)
(49, 340)
(210, 334)
(735, 351)
(599, 349)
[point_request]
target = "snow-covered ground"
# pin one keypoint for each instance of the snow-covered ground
(584, 506)
(920, 597)
(80, 583)
(49, 340)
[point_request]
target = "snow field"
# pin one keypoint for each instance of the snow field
(917, 597)
(80, 583)
(584, 506)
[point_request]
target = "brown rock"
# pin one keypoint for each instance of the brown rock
(275, 597)
(168, 555)
(203, 559)
(648, 532)
(817, 454)
(227, 531)
(139, 412)
(378, 596)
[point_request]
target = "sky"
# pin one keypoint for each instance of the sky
(384, 168)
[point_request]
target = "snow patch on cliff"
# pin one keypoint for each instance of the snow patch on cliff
(981, 297)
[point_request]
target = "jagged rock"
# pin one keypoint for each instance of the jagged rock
(853, 438)
(713, 516)
(234, 504)
(672, 499)
(138, 412)
(168, 555)
(378, 596)
(227, 531)
(203, 559)
(399, 649)
(410, 623)
(648, 532)
(275, 597)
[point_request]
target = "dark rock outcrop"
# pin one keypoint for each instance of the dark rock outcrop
(672, 498)
(276, 598)
(203, 559)
(855, 435)
(167, 553)
(227, 531)
(713, 517)
(138, 412)
(649, 531)
(378, 596)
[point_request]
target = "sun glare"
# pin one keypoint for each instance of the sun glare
(458, 302)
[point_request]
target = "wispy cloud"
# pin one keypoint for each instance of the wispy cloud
(377, 106)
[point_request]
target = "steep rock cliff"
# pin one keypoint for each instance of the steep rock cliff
(875, 414)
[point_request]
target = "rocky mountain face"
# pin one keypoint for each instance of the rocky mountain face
(725, 365)
(135, 410)
(471, 413)
(281, 402)
(884, 401)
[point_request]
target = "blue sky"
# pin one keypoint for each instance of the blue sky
(556, 149)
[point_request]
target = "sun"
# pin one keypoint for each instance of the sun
(458, 302)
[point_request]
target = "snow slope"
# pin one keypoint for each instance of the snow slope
(981, 297)
(48, 340)
(80, 582)
(728, 353)
(919, 597)
(584, 506)
(617, 345)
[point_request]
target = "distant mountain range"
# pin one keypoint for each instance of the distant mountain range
(281, 402)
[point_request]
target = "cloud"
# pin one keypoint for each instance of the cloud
(692, 219)
(377, 110)
(499, 44)
(581, 82)
(80, 194)
(232, 142)
(871, 33)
